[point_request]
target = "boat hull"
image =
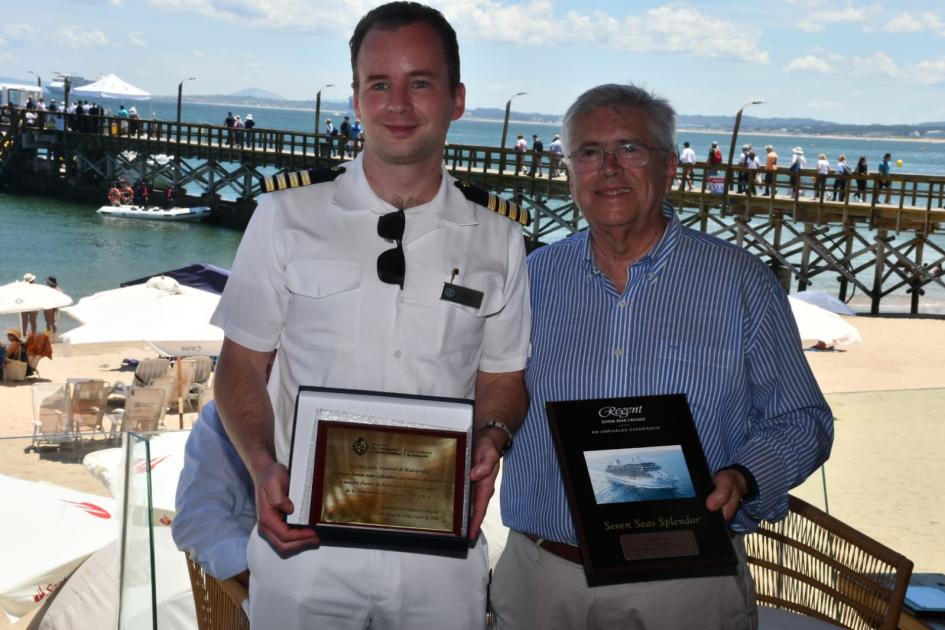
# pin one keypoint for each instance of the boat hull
(154, 213)
(642, 482)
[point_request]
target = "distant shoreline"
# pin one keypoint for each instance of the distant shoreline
(513, 121)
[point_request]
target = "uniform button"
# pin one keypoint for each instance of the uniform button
(396, 354)
(618, 352)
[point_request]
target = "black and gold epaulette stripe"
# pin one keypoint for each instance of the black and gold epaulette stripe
(483, 197)
(295, 179)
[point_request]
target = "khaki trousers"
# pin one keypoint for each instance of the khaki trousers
(533, 589)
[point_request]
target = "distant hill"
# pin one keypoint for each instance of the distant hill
(258, 93)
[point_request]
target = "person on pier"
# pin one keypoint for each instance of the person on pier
(346, 277)
(641, 305)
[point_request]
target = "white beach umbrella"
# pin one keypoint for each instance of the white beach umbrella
(173, 318)
(20, 297)
(818, 324)
(46, 532)
(825, 301)
(110, 86)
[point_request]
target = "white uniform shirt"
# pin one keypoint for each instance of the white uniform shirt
(688, 156)
(305, 281)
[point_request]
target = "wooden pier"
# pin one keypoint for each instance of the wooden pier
(887, 243)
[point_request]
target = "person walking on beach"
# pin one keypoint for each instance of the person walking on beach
(607, 304)
(688, 160)
(28, 318)
(346, 277)
(862, 173)
(885, 181)
(840, 182)
(771, 171)
(51, 315)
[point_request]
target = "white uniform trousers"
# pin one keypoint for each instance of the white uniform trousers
(532, 588)
(348, 588)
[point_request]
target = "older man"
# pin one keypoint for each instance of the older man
(640, 305)
(346, 277)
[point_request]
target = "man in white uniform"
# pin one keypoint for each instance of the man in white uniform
(345, 277)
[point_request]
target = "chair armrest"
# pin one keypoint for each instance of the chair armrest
(235, 590)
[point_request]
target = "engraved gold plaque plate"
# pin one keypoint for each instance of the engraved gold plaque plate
(397, 478)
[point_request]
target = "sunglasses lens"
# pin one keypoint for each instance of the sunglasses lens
(391, 266)
(391, 226)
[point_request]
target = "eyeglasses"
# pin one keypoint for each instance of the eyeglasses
(391, 264)
(590, 158)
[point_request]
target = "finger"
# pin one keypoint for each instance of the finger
(485, 459)
(482, 493)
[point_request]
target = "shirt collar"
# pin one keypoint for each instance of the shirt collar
(658, 255)
(354, 192)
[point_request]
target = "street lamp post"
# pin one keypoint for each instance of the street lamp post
(39, 80)
(731, 149)
(505, 128)
(180, 95)
(318, 104)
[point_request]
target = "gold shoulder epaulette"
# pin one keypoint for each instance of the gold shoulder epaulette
(495, 203)
(296, 179)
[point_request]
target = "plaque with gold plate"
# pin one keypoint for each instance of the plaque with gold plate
(382, 470)
(637, 482)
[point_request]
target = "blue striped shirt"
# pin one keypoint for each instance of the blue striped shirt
(698, 316)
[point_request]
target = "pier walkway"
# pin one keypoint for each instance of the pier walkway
(886, 241)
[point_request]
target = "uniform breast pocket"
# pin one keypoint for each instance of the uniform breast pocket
(324, 307)
(461, 326)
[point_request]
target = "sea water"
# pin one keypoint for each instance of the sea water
(89, 253)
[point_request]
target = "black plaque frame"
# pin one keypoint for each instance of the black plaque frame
(619, 540)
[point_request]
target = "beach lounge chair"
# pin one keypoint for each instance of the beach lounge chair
(219, 603)
(144, 410)
(198, 391)
(89, 404)
(150, 369)
(50, 415)
(813, 564)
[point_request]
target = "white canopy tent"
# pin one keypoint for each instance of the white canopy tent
(111, 86)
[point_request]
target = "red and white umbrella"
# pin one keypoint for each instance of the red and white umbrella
(46, 532)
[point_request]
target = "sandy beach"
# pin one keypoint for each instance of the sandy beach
(886, 476)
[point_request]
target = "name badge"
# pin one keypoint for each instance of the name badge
(461, 295)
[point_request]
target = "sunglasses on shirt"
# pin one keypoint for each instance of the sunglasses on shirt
(391, 264)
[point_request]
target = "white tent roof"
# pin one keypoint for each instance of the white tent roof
(110, 86)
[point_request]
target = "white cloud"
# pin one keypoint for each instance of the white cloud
(137, 39)
(877, 64)
(77, 37)
(815, 15)
(916, 23)
(824, 104)
(6, 56)
(13, 32)
(929, 71)
(808, 63)
(674, 29)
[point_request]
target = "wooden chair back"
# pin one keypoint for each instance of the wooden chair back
(814, 564)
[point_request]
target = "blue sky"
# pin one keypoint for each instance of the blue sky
(858, 62)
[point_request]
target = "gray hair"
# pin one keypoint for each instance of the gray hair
(660, 115)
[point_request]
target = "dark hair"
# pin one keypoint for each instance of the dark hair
(887, 156)
(394, 15)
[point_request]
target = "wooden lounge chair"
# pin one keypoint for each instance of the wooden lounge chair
(219, 603)
(814, 564)
(50, 415)
(144, 409)
(89, 404)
